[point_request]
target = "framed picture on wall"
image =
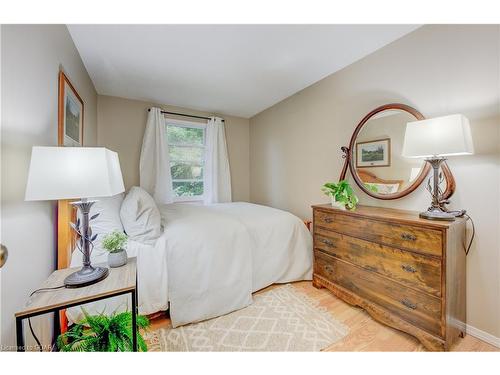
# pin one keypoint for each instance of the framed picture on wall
(70, 111)
(375, 153)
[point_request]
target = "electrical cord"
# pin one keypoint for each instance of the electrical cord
(34, 336)
(473, 233)
(46, 289)
(29, 319)
(461, 213)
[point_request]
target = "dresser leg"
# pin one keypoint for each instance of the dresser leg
(316, 284)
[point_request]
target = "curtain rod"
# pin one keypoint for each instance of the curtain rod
(185, 115)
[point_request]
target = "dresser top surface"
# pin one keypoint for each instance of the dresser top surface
(405, 216)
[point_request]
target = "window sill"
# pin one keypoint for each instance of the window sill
(188, 200)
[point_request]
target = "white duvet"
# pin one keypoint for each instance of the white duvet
(210, 259)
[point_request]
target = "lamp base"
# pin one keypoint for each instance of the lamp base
(437, 214)
(86, 276)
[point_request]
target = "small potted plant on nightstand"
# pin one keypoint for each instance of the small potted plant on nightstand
(115, 243)
(341, 194)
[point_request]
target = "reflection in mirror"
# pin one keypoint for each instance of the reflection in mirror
(377, 155)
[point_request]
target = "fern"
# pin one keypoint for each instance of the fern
(102, 333)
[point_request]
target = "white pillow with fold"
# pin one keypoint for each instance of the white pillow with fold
(140, 216)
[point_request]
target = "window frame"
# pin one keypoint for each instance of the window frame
(187, 124)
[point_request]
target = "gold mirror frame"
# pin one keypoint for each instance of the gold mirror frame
(349, 159)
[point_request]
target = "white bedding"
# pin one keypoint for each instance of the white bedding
(213, 257)
(281, 245)
(152, 280)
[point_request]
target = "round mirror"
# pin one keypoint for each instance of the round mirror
(375, 158)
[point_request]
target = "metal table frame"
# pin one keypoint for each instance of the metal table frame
(134, 296)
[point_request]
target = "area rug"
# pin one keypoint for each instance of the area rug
(281, 319)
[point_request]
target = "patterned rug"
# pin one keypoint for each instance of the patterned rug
(280, 319)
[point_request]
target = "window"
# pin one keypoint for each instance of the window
(186, 142)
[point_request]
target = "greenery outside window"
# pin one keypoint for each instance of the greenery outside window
(186, 141)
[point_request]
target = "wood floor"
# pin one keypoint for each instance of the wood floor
(365, 333)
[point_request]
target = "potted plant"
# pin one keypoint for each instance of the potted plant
(101, 333)
(341, 194)
(115, 243)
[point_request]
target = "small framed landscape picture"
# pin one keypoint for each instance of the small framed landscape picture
(373, 153)
(70, 131)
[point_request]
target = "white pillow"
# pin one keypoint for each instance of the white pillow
(386, 188)
(140, 216)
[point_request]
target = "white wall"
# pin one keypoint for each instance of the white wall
(31, 57)
(440, 70)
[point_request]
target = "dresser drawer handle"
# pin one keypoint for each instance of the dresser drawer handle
(328, 243)
(408, 237)
(408, 268)
(328, 269)
(328, 220)
(409, 304)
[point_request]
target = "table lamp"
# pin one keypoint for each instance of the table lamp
(434, 139)
(76, 173)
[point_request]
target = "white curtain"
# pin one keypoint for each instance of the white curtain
(154, 167)
(217, 177)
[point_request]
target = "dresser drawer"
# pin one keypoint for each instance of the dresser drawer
(415, 307)
(411, 269)
(424, 240)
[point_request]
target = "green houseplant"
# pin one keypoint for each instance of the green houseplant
(102, 333)
(115, 243)
(341, 194)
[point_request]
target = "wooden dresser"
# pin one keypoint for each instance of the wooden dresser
(406, 272)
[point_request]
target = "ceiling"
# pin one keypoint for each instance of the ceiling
(235, 70)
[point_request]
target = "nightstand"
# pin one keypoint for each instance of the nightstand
(121, 280)
(307, 223)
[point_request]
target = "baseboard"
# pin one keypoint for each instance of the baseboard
(484, 336)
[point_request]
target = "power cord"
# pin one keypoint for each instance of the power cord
(34, 336)
(473, 233)
(46, 289)
(461, 213)
(29, 319)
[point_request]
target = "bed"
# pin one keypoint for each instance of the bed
(209, 260)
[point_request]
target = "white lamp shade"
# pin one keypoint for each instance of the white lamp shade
(440, 136)
(73, 172)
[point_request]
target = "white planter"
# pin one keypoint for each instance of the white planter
(338, 205)
(117, 259)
